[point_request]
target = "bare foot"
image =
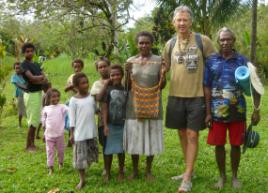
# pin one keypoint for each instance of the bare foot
(220, 184)
(60, 166)
(31, 149)
(236, 184)
(120, 177)
(149, 177)
(106, 178)
(133, 176)
(80, 185)
(103, 172)
(50, 171)
(69, 144)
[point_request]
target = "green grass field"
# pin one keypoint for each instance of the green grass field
(24, 172)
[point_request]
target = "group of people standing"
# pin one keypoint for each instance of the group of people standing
(203, 93)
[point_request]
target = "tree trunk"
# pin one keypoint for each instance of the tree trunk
(114, 24)
(253, 32)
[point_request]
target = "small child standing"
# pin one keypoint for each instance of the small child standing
(98, 90)
(113, 118)
(77, 66)
(20, 85)
(53, 117)
(83, 127)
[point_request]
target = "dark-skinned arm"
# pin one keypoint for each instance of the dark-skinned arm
(35, 79)
(21, 86)
(163, 80)
(207, 93)
(128, 69)
(100, 95)
(255, 117)
(104, 109)
(72, 135)
(68, 88)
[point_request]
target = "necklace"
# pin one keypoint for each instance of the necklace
(182, 51)
(186, 43)
(145, 59)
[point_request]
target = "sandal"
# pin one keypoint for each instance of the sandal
(180, 177)
(186, 186)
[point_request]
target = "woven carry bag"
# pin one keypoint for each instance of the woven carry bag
(146, 101)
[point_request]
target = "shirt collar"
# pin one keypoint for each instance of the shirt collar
(234, 56)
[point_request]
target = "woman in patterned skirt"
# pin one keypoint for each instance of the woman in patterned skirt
(144, 135)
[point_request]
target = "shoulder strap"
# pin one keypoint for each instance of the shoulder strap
(199, 43)
(171, 46)
(198, 40)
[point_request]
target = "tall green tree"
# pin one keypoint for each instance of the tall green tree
(208, 15)
(106, 15)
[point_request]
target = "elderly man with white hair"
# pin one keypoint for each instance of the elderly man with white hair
(226, 104)
(185, 57)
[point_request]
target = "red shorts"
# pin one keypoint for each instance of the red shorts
(217, 133)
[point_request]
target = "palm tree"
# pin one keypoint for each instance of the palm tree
(208, 14)
(19, 41)
(253, 32)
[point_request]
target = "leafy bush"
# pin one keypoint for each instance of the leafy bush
(242, 28)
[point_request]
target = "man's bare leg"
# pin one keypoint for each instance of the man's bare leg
(220, 159)
(183, 141)
(191, 153)
(235, 160)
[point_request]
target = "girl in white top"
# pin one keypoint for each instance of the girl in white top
(77, 66)
(83, 127)
(53, 117)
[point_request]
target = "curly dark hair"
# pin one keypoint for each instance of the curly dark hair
(118, 67)
(146, 34)
(26, 46)
(16, 64)
(78, 61)
(77, 77)
(103, 59)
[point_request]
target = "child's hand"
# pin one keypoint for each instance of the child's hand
(107, 81)
(128, 66)
(163, 72)
(106, 131)
(72, 138)
(208, 120)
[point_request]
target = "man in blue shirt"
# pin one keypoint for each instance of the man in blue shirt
(226, 105)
